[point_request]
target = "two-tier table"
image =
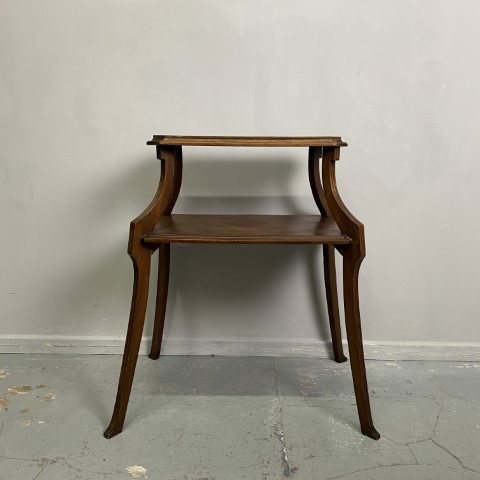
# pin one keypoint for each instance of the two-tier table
(334, 227)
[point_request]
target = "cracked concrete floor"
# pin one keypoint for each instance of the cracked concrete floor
(233, 418)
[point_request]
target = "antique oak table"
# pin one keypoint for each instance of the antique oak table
(335, 228)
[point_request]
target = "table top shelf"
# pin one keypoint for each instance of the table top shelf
(246, 229)
(247, 141)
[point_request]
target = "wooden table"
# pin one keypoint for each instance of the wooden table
(335, 228)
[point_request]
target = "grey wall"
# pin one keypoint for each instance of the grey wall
(83, 85)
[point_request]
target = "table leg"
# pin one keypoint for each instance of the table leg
(332, 302)
(141, 266)
(351, 267)
(314, 156)
(161, 302)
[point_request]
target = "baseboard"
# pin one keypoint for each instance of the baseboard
(299, 347)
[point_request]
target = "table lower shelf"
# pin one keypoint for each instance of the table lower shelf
(294, 229)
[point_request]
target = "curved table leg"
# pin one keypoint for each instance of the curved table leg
(353, 256)
(172, 178)
(314, 156)
(161, 204)
(351, 267)
(332, 302)
(161, 302)
(141, 266)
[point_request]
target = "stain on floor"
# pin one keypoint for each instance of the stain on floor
(19, 390)
(136, 471)
(4, 403)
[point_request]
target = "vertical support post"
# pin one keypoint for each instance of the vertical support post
(173, 155)
(330, 274)
(163, 202)
(353, 256)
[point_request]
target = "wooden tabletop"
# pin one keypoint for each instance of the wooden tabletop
(247, 141)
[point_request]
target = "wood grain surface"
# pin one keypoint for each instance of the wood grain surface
(292, 229)
(247, 141)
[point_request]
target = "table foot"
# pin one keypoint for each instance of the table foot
(112, 431)
(371, 432)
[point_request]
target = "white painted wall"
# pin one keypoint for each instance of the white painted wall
(83, 85)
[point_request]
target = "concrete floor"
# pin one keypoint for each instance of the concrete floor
(227, 418)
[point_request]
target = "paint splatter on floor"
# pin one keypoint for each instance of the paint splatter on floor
(48, 397)
(137, 471)
(19, 390)
(3, 404)
(25, 410)
(40, 386)
(3, 374)
(27, 422)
